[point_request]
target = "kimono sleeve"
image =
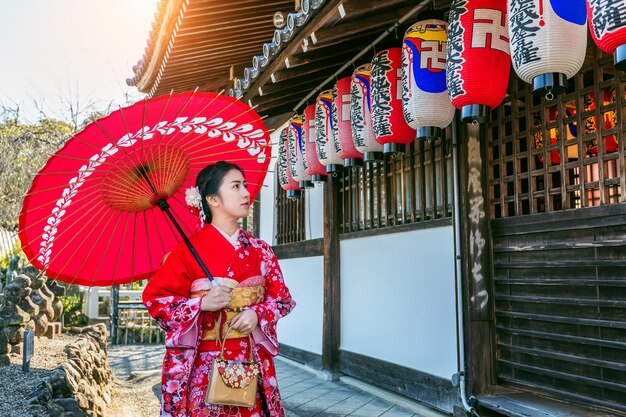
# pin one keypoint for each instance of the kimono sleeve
(167, 299)
(276, 304)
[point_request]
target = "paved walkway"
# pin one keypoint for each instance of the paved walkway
(305, 393)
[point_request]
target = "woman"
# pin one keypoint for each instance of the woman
(251, 297)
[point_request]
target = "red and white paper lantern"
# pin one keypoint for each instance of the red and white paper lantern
(548, 42)
(478, 57)
(342, 128)
(314, 167)
(296, 158)
(324, 137)
(361, 115)
(425, 99)
(390, 127)
(607, 24)
(284, 172)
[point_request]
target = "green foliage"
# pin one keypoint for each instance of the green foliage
(72, 310)
(24, 149)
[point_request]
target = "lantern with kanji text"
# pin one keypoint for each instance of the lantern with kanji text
(284, 172)
(477, 72)
(361, 115)
(296, 158)
(607, 24)
(425, 99)
(324, 137)
(314, 167)
(390, 127)
(342, 128)
(548, 42)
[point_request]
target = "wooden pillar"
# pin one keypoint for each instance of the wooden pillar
(114, 304)
(476, 259)
(331, 329)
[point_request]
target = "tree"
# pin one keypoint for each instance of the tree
(24, 149)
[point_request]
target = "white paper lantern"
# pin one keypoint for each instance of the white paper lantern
(297, 163)
(361, 115)
(548, 41)
(425, 100)
(324, 142)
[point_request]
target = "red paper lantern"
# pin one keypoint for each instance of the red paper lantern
(342, 127)
(607, 24)
(296, 159)
(390, 127)
(284, 175)
(478, 57)
(361, 115)
(314, 167)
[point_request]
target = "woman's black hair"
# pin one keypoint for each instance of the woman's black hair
(209, 181)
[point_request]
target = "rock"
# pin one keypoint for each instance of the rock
(4, 343)
(5, 360)
(68, 404)
(56, 410)
(41, 324)
(13, 294)
(56, 289)
(17, 349)
(29, 307)
(12, 315)
(75, 414)
(38, 410)
(15, 334)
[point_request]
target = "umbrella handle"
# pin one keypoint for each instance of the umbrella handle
(164, 205)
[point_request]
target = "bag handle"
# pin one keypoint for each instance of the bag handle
(222, 341)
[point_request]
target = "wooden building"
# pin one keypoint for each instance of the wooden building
(483, 270)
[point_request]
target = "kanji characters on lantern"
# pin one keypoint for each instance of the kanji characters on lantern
(314, 167)
(390, 127)
(478, 57)
(284, 172)
(324, 141)
(548, 42)
(607, 24)
(342, 128)
(425, 99)
(296, 148)
(361, 115)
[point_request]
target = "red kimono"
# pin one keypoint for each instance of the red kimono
(187, 361)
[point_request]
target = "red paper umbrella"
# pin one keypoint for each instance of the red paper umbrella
(390, 126)
(607, 24)
(478, 57)
(342, 127)
(314, 167)
(105, 209)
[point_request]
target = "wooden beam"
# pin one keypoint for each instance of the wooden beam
(332, 290)
(236, 71)
(476, 249)
(327, 66)
(321, 54)
(309, 82)
(320, 19)
(354, 8)
(361, 26)
(276, 121)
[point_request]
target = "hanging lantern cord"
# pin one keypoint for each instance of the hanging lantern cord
(475, 123)
(407, 16)
(550, 95)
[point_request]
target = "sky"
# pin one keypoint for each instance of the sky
(53, 51)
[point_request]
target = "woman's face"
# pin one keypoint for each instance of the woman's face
(233, 198)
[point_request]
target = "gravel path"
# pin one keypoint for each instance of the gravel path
(137, 387)
(16, 384)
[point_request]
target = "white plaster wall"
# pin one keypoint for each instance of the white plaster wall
(314, 212)
(398, 299)
(302, 328)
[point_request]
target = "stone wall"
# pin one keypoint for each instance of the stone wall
(80, 386)
(30, 302)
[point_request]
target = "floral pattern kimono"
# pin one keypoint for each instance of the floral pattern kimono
(169, 297)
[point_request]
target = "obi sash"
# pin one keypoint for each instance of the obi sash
(246, 293)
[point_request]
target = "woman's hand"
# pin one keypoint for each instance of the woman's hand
(216, 299)
(245, 322)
